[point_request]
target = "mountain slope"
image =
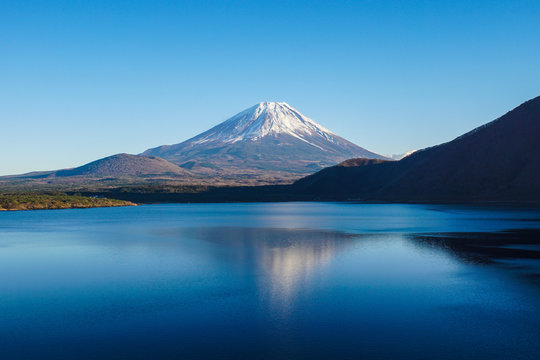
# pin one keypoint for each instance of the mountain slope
(268, 137)
(111, 167)
(499, 161)
(124, 165)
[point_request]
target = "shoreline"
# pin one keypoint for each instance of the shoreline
(55, 201)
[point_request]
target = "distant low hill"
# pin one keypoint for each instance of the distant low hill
(113, 167)
(499, 161)
(125, 165)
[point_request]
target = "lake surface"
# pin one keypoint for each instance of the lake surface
(265, 281)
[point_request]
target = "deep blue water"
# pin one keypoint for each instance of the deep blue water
(281, 280)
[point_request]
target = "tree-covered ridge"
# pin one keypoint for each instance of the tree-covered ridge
(35, 201)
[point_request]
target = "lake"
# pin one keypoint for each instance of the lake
(271, 281)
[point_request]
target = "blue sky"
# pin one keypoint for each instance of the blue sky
(80, 80)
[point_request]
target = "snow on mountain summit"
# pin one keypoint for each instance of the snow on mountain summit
(267, 140)
(264, 119)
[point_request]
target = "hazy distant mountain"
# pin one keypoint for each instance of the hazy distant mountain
(267, 138)
(499, 161)
(116, 166)
(400, 156)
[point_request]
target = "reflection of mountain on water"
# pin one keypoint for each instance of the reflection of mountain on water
(286, 257)
(516, 249)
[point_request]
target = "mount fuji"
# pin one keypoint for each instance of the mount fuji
(270, 139)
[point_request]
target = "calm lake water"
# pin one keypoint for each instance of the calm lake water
(281, 280)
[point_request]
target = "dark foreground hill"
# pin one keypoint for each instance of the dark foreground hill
(499, 161)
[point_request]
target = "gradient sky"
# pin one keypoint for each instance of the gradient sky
(80, 80)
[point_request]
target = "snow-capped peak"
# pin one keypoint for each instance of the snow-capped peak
(268, 137)
(265, 119)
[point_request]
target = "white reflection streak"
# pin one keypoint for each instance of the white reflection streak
(291, 268)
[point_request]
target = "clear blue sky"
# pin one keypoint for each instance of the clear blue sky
(80, 80)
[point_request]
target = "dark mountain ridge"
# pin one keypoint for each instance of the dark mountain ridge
(499, 161)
